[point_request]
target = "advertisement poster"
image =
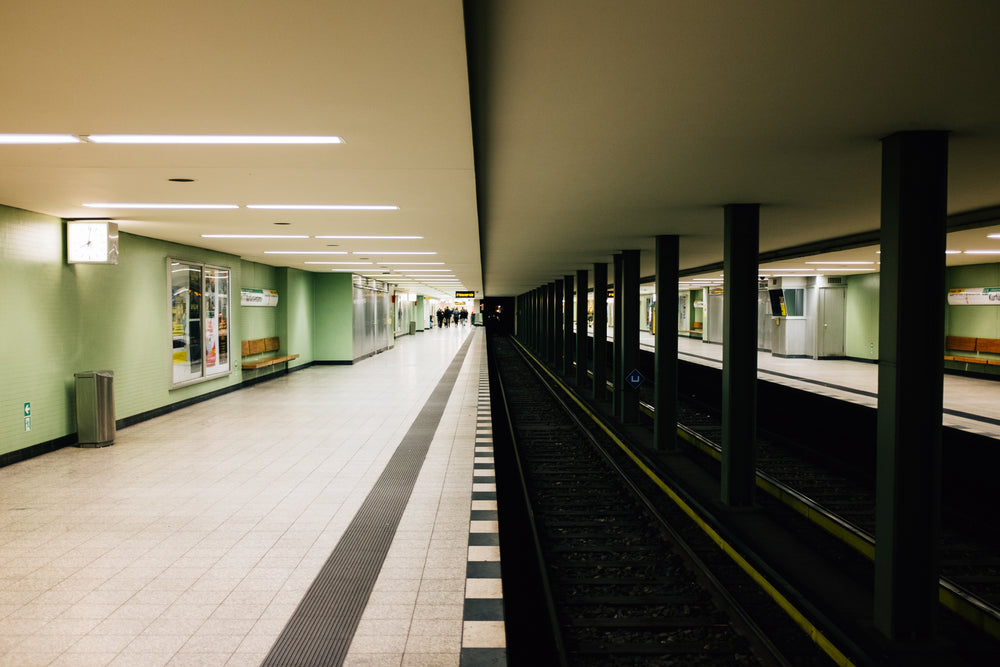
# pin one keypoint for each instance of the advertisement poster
(974, 296)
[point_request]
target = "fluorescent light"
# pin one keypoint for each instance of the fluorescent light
(828, 270)
(34, 139)
(305, 252)
(253, 236)
(324, 207)
(410, 263)
(806, 268)
(840, 262)
(165, 206)
(982, 252)
(368, 263)
(369, 237)
(410, 271)
(993, 236)
(206, 139)
(955, 252)
(394, 252)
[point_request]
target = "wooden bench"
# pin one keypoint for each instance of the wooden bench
(968, 344)
(260, 346)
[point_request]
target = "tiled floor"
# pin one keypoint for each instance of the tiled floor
(191, 540)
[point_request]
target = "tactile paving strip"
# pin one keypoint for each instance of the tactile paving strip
(322, 627)
(483, 629)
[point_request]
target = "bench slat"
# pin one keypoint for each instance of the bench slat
(988, 345)
(963, 343)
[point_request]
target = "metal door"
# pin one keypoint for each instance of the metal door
(830, 334)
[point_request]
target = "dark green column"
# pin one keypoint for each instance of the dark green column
(910, 379)
(616, 336)
(536, 339)
(630, 335)
(600, 390)
(581, 327)
(550, 298)
(665, 359)
(557, 324)
(739, 354)
(567, 310)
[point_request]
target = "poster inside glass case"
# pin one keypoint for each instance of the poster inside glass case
(199, 321)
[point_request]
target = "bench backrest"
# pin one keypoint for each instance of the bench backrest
(260, 346)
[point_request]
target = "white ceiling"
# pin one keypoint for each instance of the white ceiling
(598, 125)
(389, 77)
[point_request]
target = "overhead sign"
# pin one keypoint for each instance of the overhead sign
(974, 296)
(258, 297)
(465, 295)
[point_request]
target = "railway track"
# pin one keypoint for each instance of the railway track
(970, 556)
(629, 581)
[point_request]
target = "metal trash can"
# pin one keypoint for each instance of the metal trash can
(413, 328)
(95, 408)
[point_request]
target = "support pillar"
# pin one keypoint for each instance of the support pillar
(629, 335)
(665, 357)
(550, 297)
(567, 310)
(581, 327)
(739, 354)
(910, 381)
(600, 390)
(616, 336)
(557, 324)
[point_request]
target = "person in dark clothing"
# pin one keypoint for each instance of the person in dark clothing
(454, 315)
(447, 316)
(464, 316)
(440, 316)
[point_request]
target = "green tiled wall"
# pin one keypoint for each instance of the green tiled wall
(59, 319)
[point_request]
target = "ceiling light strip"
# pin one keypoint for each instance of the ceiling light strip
(138, 205)
(37, 139)
(254, 236)
(324, 207)
(205, 139)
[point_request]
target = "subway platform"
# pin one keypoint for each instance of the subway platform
(971, 404)
(333, 515)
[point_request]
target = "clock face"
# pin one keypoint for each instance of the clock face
(94, 242)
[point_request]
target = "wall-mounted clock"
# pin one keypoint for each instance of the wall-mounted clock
(92, 242)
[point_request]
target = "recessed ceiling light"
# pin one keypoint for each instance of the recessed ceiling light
(369, 237)
(394, 252)
(324, 207)
(806, 268)
(28, 139)
(206, 139)
(829, 269)
(163, 206)
(305, 252)
(982, 252)
(412, 263)
(369, 263)
(409, 271)
(953, 252)
(253, 236)
(993, 236)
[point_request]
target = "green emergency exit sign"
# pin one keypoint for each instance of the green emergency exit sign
(27, 416)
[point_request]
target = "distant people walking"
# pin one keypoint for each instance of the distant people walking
(464, 316)
(447, 316)
(455, 315)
